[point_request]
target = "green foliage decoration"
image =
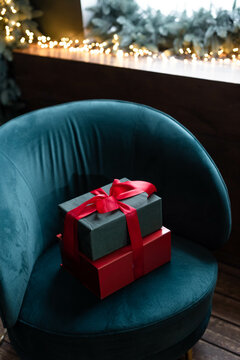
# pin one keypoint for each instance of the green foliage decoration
(16, 31)
(202, 32)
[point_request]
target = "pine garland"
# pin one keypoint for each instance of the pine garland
(201, 33)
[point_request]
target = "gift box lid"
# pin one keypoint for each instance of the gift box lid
(101, 234)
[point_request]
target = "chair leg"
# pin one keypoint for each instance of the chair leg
(188, 355)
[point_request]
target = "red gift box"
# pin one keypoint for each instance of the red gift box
(116, 270)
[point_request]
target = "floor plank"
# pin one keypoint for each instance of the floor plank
(231, 270)
(228, 285)
(226, 308)
(205, 351)
(7, 352)
(223, 334)
(229, 257)
(6, 338)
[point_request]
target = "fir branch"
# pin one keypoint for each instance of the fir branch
(201, 32)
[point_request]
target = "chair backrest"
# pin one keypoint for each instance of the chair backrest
(51, 155)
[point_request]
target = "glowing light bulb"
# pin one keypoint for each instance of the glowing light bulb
(9, 38)
(120, 53)
(13, 9)
(7, 29)
(226, 61)
(115, 47)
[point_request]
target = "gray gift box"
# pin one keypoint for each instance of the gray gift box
(101, 234)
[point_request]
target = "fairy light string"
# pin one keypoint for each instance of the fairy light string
(112, 48)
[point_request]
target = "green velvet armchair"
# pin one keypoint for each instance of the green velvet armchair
(51, 155)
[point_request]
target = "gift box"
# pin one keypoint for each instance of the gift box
(116, 270)
(100, 234)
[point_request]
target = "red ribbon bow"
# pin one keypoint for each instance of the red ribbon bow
(103, 203)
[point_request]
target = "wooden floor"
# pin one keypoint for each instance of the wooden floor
(221, 340)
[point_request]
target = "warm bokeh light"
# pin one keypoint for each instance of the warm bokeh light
(112, 48)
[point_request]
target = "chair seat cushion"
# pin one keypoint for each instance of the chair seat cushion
(59, 314)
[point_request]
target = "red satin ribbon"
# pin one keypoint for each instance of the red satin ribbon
(103, 203)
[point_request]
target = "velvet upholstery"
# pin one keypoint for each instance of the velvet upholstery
(51, 155)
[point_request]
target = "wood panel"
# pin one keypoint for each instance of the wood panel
(224, 268)
(206, 351)
(223, 334)
(67, 13)
(228, 284)
(208, 71)
(7, 352)
(226, 308)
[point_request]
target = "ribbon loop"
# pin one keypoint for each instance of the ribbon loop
(99, 191)
(128, 189)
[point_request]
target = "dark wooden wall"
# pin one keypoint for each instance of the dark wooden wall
(60, 18)
(209, 109)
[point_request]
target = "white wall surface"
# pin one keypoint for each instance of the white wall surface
(168, 6)
(86, 14)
